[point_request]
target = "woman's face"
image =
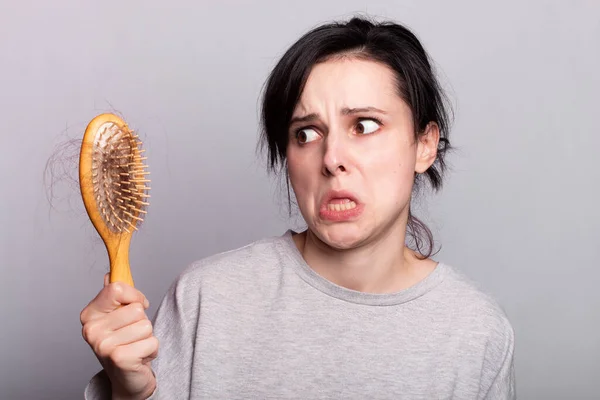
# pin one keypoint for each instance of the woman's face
(352, 154)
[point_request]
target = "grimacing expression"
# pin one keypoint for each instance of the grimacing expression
(352, 153)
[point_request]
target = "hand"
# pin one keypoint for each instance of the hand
(117, 329)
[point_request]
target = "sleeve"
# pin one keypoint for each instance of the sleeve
(501, 358)
(174, 325)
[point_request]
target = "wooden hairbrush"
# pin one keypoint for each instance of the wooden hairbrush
(114, 187)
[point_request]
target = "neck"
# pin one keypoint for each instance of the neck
(383, 265)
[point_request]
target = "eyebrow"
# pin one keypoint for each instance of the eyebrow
(345, 111)
(349, 111)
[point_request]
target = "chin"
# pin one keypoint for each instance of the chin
(340, 236)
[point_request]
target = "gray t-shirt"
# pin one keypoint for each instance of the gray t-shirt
(258, 323)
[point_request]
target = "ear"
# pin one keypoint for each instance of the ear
(427, 144)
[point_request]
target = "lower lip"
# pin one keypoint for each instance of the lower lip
(342, 215)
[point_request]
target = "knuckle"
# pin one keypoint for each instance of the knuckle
(146, 327)
(87, 331)
(138, 310)
(83, 316)
(104, 348)
(118, 358)
(90, 332)
(115, 289)
(154, 343)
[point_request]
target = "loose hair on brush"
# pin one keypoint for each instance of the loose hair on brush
(386, 42)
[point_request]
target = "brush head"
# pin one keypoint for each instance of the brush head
(113, 176)
(119, 177)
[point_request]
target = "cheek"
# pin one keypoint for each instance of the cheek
(393, 174)
(302, 175)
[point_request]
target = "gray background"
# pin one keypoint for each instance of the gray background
(519, 212)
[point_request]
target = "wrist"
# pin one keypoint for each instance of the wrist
(142, 395)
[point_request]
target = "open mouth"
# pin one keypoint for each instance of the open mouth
(340, 206)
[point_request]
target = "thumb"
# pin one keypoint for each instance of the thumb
(106, 279)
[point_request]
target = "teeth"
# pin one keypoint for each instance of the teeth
(341, 207)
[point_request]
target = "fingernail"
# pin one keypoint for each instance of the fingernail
(146, 303)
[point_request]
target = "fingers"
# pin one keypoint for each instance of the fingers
(151, 357)
(98, 327)
(110, 298)
(129, 356)
(120, 318)
(132, 333)
(124, 316)
(127, 335)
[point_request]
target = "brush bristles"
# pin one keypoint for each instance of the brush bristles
(119, 178)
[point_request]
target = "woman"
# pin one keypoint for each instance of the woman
(354, 115)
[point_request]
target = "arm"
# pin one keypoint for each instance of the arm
(501, 356)
(174, 326)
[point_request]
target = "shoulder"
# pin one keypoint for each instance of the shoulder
(474, 308)
(485, 325)
(237, 267)
(475, 321)
(217, 282)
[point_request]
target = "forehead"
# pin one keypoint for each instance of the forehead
(349, 82)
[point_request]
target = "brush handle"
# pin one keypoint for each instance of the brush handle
(120, 270)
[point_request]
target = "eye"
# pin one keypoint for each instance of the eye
(367, 126)
(306, 135)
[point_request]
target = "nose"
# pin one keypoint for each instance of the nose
(335, 157)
